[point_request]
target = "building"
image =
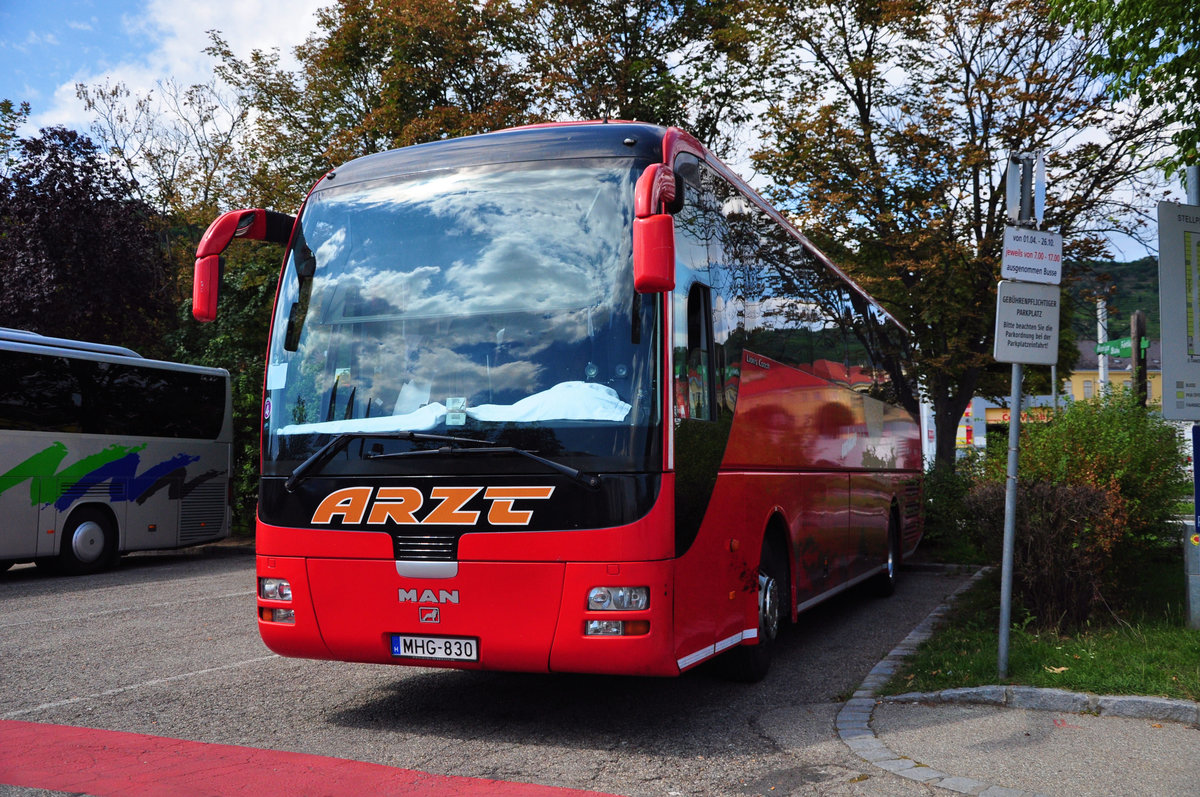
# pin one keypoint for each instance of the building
(1084, 381)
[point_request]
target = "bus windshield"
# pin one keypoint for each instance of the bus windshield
(492, 303)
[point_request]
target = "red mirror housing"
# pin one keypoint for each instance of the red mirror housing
(250, 224)
(205, 285)
(206, 280)
(654, 254)
(654, 231)
(256, 225)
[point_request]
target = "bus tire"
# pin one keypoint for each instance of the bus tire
(750, 663)
(5, 564)
(89, 542)
(885, 582)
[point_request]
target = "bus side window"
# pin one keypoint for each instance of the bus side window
(700, 372)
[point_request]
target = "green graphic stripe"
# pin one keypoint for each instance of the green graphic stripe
(45, 464)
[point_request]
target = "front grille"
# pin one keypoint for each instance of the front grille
(425, 547)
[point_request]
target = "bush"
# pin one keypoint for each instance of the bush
(1098, 484)
(1113, 443)
(1063, 547)
(948, 526)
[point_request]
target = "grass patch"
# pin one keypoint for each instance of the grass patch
(1147, 651)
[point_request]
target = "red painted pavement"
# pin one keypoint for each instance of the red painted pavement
(117, 764)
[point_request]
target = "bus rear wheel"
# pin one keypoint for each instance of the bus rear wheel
(750, 663)
(885, 582)
(89, 543)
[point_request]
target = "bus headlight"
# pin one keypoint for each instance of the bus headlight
(277, 615)
(625, 599)
(616, 627)
(274, 589)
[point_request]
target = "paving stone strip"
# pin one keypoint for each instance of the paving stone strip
(854, 720)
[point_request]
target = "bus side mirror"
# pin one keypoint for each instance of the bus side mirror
(654, 254)
(654, 230)
(257, 225)
(206, 282)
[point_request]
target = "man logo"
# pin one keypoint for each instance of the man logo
(429, 596)
(430, 614)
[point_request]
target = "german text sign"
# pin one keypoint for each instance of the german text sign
(1027, 323)
(1032, 256)
(1179, 309)
(1120, 347)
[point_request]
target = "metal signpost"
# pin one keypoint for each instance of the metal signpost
(1027, 314)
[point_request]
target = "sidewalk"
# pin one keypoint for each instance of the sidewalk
(1018, 741)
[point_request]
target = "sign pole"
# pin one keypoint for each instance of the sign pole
(1027, 323)
(1010, 519)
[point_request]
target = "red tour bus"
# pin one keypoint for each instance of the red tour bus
(565, 398)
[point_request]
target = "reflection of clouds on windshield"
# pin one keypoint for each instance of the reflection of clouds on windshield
(513, 273)
(396, 194)
(399, 292)
(333, 247)
(536, 239)
(453, 373)
(484, 284)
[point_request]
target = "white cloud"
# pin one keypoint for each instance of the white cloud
(177, 33)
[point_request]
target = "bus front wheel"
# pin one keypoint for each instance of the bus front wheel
(749, 663)
(89, 543)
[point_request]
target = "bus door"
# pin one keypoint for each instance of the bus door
(19, 533)
(46, 528)
(707, 510)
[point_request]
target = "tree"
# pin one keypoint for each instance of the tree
(1151, 52)
(182, 150)
(81, 255)
(888, 137)
(669, 62)
(379, 74)
(12, 116)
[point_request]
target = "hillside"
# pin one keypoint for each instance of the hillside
(1135, 288)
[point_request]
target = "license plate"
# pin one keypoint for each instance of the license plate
(436, 648)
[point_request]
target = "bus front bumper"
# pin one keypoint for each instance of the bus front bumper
(515, 616)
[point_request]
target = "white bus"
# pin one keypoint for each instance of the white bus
(103, 452)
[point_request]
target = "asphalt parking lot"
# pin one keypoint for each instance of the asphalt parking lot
(166, 645)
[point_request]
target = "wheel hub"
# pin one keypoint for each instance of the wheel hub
(768, 606)
(87, 541)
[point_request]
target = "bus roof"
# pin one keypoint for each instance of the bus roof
(19, 340)
(24, 336)
(536, 142)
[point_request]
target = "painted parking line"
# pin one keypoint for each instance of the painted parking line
(118, 764)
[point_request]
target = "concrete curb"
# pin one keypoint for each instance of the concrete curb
(854, 720)
(1143, 708)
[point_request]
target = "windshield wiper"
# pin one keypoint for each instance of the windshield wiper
(331, 449)
(586, 479)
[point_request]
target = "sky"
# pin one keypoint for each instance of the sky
(47, 46)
